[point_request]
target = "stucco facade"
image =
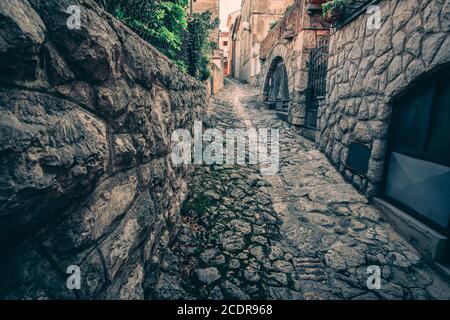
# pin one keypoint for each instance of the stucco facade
(224, 40)
(234, 58)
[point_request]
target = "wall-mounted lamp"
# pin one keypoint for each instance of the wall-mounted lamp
(246, 26)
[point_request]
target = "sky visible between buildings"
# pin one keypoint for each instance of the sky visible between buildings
(227, 7)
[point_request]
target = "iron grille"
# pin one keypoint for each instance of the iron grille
(318, 65)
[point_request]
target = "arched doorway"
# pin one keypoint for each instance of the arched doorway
(276, 85)
(417, 174)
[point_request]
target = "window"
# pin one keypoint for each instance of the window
(225, 43)
(438, 140)
(418, 164)
(423, 129)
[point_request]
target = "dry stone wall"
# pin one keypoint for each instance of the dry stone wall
(86, 117)
(368, 69)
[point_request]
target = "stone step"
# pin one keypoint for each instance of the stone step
(306, 260)
(310, 270)
(309, 265)
(312, 277)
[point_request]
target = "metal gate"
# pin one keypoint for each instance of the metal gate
(318, 65)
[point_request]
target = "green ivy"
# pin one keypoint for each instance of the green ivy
(199, 44)
(165, 24)
(160, 22)
(333, 5)
(273, 25)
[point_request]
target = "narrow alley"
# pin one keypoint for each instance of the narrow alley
(304, 233)
(224, 150)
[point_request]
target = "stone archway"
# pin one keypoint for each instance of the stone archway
(273, 57)
(276, 86)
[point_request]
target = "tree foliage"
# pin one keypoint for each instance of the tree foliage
(332, 5)
(166, 25)
(200, 44)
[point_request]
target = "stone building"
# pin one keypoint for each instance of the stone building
(257, 16)
(224, 39)
(234, 58)
(287, 70)
(385, 121)
(216, 81)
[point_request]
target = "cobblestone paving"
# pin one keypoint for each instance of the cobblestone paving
(301, 234)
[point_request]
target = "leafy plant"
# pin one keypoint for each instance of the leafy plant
(160, 22)
(165, 25)
(288, 8)
(199, 45)
(333, 5)
(273, 25)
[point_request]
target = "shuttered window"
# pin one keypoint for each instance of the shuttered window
(423, 127)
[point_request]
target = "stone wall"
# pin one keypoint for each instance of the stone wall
(369, 69)
(85, 177)
(217, 80)
(292, 40)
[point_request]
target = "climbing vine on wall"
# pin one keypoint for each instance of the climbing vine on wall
(159, 22)
(165, 24)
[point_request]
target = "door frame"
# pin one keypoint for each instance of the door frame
(411, 212)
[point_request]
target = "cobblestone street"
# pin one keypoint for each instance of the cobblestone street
(304, 233)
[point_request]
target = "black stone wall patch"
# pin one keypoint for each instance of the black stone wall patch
(358, 158)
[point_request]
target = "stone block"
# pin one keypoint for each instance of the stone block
(22, 34)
